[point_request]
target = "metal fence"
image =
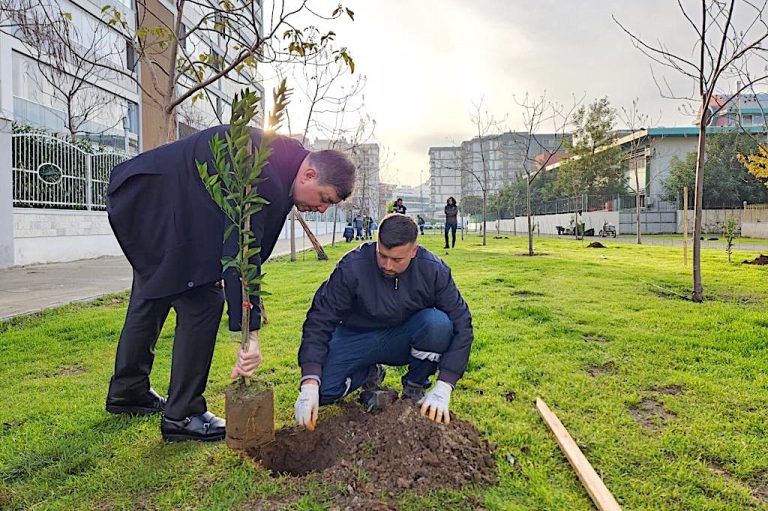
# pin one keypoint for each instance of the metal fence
(49, 172)
(582, 204)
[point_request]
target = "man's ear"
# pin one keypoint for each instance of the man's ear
(309, 173)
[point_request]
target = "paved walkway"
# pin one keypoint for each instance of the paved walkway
(26, 289)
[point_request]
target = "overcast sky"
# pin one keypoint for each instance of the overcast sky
(428, 61)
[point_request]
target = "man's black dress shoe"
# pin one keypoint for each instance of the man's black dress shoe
(205, 428)
(147, 404)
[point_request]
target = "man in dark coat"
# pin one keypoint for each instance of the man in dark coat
(387, 302)
(172, 233)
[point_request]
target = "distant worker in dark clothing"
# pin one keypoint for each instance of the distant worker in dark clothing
(420, 221)
(367, 226)
(400, 207)
(387, 302)
(172, 233)
(349, 232)
(358, 223)
(451, 222)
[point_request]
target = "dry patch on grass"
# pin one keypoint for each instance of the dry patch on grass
(600, 370)
(651, 414)
(757, 484)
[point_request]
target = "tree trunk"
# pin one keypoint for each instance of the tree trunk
(528, 212)
(293, 234)
(485, 230)
(321, 255)
(637, 204)
(698, 291)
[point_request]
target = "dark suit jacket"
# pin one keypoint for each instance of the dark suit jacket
(172, 232)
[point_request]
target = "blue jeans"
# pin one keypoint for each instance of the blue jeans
(352, 355)
(452, 229)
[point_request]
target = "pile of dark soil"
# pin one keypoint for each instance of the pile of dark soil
(759, 260)
(596, 244)
(375, 458)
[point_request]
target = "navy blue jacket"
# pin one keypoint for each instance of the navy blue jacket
(172, 232)
(359, 296)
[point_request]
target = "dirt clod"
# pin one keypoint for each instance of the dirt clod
(651, 414)
(510, 395)
(381, 456)
(596, 244)
(759, 260)
(595, 338)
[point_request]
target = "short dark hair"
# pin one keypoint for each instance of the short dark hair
(396, 230)
(335, 169)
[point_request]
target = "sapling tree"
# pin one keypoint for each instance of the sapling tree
(233, 186)
(730, 231)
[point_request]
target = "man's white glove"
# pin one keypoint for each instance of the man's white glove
(307, 405)
(247, 361)
(435, 404)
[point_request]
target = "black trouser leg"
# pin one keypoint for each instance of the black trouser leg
(198, 313)
(453, 236)
(136, 347)
(446, 235)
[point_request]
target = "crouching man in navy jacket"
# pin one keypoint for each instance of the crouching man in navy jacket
(172, 233)
(387, 302)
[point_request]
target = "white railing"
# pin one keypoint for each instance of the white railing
(52, 173)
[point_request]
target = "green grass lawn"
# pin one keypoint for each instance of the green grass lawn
(540, 323)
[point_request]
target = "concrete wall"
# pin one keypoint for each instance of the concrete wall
(55, 235)
(50, 235)
(6, 195)
(712, 220)
(754, 223)
(546, 224)
(651, 222)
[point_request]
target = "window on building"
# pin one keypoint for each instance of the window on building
(130, 56)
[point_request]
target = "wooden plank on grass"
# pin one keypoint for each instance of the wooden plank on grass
(600, 494)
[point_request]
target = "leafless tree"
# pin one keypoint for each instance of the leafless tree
(330, 96)
(71, 82)
(224, 39)
(484, 124)
(636, 120)
(540, 113)
(723, 40)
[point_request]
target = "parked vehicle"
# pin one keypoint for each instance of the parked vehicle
(608, 230)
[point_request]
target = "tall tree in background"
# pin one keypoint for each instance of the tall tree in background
(594, 167)
(634, 120)
(327, 91)
(484, 124)
(540, 113)
(726, 44)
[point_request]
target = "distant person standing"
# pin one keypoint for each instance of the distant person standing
(358, 223)
(451, 222)
(367, 226)
(399, 206)
(420, 222)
